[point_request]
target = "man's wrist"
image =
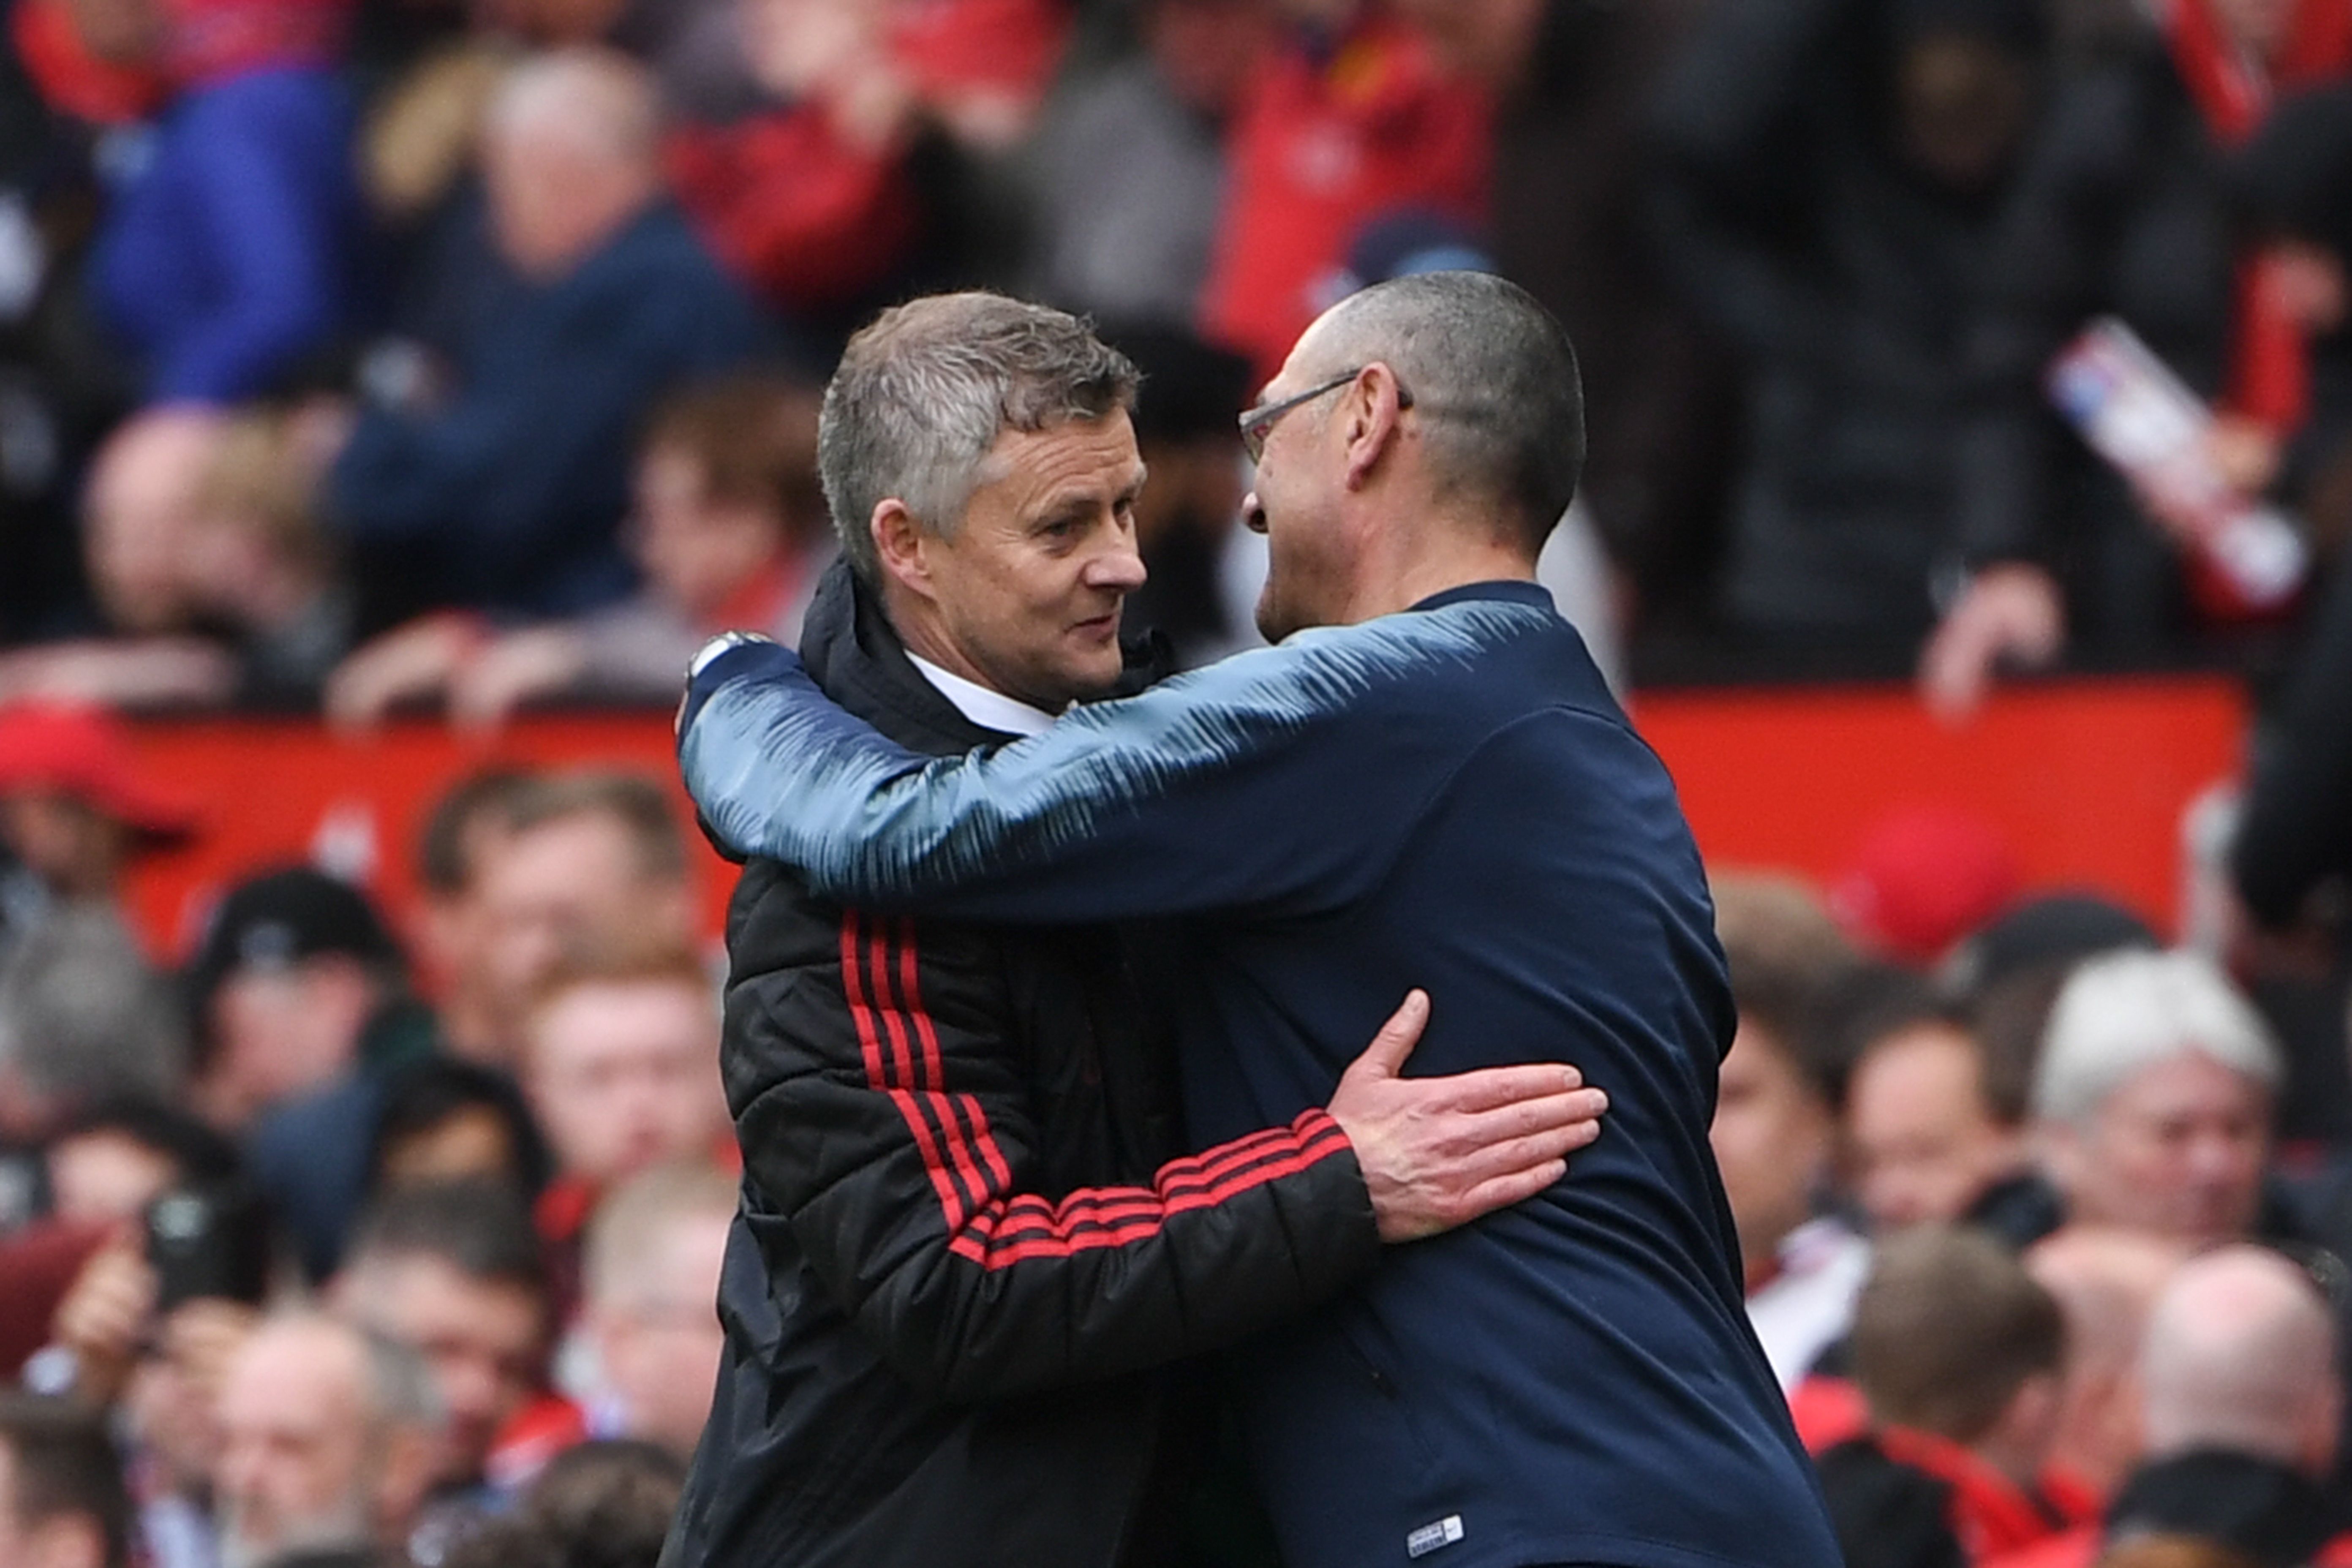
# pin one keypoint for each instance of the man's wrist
(718, 661)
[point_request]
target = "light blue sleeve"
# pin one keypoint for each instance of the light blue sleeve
(1278, 782)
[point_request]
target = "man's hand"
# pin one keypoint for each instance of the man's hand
(1438, 1153)
(104, 1315)
(2009, 614)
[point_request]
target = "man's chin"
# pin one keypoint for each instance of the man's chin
(1086, 680)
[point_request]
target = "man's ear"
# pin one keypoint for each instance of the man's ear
(1373, 411)
(901, 543)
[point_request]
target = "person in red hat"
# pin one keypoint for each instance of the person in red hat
(76, 809)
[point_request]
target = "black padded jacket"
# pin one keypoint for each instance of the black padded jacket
(968, 1256)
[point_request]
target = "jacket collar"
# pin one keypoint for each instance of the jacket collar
(854, 655)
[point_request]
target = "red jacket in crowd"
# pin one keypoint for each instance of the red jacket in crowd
(1322, 145)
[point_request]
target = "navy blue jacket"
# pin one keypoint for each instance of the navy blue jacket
(1446, 797)
(517, 486)
(231, 255)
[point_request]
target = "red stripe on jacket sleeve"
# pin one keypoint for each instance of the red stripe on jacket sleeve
(877, 1070)
(1013, 1231)
(997, 1228)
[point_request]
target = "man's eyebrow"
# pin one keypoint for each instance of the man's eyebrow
(1078, 497)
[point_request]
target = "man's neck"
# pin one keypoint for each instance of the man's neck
(1400, 584)
(981, 703)
(956, 677)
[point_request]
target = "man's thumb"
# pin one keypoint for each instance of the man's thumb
(1387, 1053)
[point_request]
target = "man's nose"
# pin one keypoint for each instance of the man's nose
(1253, 514)
(1119, 568)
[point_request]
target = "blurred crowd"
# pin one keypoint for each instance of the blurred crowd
(361, 1242)
(2038, 1237)
(346, 1271)
(364, 356)
(459, 353)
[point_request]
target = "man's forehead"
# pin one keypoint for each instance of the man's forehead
(1311, 350)
(1072, 455)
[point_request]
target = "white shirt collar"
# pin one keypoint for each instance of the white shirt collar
(989, 709)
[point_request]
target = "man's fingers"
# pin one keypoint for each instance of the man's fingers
(1466, 1131)
(1517, 1186)
(1387, 1053)
(1508, 1154)
(1489, 1088)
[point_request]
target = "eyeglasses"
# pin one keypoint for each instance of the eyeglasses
(1257, 424)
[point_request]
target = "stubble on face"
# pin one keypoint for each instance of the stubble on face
(1027, 595)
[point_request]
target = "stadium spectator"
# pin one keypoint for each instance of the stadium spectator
(2106, 1281)
(1829, 195)
(1572, 81)
(509, 495)
(452, 1270)
(811, 199)
(621, 1064)
(306, 997)
(200, 542)
(62, 1502)
(2243, 1399)
(466, 826)
(1184, 520)
(2132, 166)
(58, 103)
(76, 810)
(2040, 939)
(1960, 1354)
(592, 865)
(606, 1503)
(2153, 1099)
(1128, 239)
(114, 1157)
(650, 1285)
(125, 1322)
(139, 511)
(328, 1435)
(621, 1067)
(445, 1120)
(2295, 176)
(233, 251)
(1925, 1136)
(1776, 1120)
(295, 983)
(170, 1414)
(1349, 119)
(82, 1018)
(729, 534)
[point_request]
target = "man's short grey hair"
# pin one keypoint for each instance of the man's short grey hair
(2122, 1012)
(83, 1017)
(924, 391)
(1493, 375)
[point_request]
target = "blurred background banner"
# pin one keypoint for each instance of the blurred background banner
(2086, 782)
